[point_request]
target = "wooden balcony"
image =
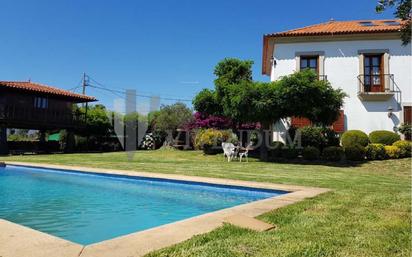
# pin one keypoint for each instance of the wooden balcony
(16, 116)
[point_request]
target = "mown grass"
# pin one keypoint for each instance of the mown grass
(366, 214)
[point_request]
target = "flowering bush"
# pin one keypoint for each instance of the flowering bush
(392, 152)
(375, 152)
(405, 147)
(153, 140)
(204, 121)
(210, 140)
(209, 121)
(148, 142)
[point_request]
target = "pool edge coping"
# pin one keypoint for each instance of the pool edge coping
(142, 242)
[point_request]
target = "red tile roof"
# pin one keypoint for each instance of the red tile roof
(330, 28)
(35, 87)
(343, 27)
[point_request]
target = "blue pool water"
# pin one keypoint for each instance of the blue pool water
(88, 208)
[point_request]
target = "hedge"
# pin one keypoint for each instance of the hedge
(290, 153)
(352, 138)
(311, 153)
(332, 153)
(404, 146)
(392, 152)
(383, 137)
(355, 153)
(375, 152)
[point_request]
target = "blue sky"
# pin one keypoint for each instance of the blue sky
(166, 48)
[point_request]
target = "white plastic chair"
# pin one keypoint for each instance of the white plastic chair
(229, 151)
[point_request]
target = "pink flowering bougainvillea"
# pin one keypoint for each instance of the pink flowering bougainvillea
(201, 120)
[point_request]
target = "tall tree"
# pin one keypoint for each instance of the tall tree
(97, 122)
(206, 102)
(403, 12)
(233, 71)
(302, 94)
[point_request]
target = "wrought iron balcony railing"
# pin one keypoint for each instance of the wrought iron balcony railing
(376, 83)
(323, 77)
(377, 87)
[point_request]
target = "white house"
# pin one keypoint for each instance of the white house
(364, 58)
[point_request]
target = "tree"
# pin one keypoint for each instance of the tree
(403, 12)
(233, 71)
(171, 117)
(168, 119)
(206, 102)
(300, 94)
(97, 122)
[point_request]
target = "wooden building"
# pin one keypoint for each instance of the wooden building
(28, 105)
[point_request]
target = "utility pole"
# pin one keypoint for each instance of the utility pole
(84, 85)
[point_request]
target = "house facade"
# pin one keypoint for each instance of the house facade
(28, 105)
(366, 59)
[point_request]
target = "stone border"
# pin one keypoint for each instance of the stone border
(142, 242)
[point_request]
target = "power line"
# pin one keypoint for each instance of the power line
(103, 87)
(78, 85)
(107, 90)
(116, 92)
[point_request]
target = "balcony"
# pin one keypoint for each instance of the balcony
(323, 77)
(376, 87)
(16, 116)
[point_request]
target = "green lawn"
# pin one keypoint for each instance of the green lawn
(367, 214)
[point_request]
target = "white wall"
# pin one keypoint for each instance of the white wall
(342, 69)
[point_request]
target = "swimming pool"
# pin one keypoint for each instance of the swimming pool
(86, 207)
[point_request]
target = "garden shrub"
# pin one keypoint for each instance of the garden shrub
(354, 137)
(148, 142)
(375, 152)
(383, 137)
(159, 137)
(275, 149)
(318, 137)
(290, 152)
(405, 147)
(292, 133)
(312, 136)
(202, 120)
(405, 129)
(355, 153)
(210, 140)
(392, 152)
(311, 153)
(332, 153)
(332, 138)
(276, 144)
